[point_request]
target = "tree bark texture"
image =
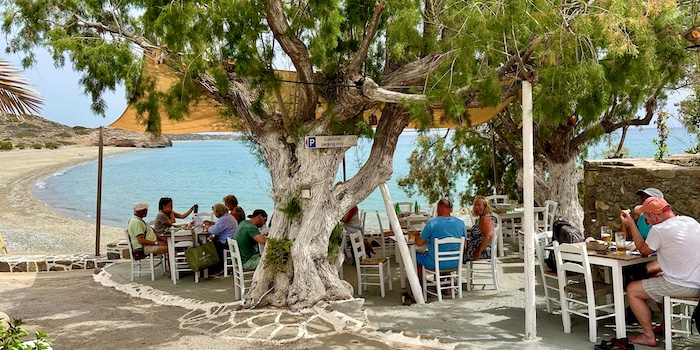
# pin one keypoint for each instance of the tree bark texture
(563, 181)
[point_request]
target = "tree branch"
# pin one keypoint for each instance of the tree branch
(297, 52)
(371, 90)
(370, 33)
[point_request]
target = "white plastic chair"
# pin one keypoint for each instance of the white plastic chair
(406, 207)
(583, 295)
(136, 265)
(364, 266)
(484, 270)
(450, 279)
(677, 317)
(240, 277)
(416, 222)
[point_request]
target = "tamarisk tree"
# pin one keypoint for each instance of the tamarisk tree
(399, 59)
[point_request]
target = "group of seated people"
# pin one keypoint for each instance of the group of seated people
(230, 223)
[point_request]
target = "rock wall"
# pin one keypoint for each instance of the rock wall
(610, 186)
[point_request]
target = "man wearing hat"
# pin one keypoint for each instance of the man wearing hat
(643, 195)
(142, 235)
(248, 237)
(676, 240)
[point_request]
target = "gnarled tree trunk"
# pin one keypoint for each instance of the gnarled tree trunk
(563, 181)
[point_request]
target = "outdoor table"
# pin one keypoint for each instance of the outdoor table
(422, 217)
(183, 235)
(412, 246)
(518, 213)
(616, 262)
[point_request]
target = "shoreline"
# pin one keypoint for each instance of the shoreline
(28, 225)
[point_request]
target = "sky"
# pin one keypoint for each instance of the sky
(64, 99)
(66, 103)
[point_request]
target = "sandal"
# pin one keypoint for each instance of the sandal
(614, 344)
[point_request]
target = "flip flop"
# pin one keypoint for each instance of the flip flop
(615, 344)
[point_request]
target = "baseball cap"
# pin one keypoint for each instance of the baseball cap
(257, 212)
(651, 192)
(653, 205)
(138, 206)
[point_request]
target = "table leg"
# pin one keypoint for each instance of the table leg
(402, 270)
(619, 296)
(171, 258)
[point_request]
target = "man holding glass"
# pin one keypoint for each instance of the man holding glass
(676, 240)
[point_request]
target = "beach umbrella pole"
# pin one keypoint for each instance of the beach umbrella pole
(98, 213)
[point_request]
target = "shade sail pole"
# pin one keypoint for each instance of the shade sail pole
(529, 218)
(408, 263)
(98, 214)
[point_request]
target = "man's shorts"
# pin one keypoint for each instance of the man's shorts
(150, 249)
(251, 263)
(657, 287)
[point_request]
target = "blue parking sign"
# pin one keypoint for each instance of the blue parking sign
(311, 142)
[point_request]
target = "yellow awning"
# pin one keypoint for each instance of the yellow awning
(204, 116)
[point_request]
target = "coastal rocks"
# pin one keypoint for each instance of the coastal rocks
(42, 263)
(125, 138)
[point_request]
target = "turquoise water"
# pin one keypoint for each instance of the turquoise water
(204, 172)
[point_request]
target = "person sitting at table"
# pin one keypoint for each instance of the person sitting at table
(248, 237)
(352, 223)
(142, 235)
(479, 243)
(166, 215)
(676, 240)
(231, 202)
(224, 227)
(444, 225)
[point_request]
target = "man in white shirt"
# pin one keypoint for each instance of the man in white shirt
(676, 240)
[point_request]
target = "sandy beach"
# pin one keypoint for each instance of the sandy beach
(27, 225)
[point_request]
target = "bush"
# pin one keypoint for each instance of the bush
(79, 128)
(63, 134)
(26, 134)
(51, 145)
(37, 146)
(5, 145)
(30, 126)
(82, 132)
(11, 338)
(21, 145)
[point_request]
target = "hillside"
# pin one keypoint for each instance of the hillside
(36, 132)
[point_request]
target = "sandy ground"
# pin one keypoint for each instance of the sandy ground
(26, 224)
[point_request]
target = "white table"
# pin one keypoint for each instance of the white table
(511, 215)
(412, 247)
(616, 263)
(183, 235)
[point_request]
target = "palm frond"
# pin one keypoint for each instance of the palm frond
(16, 95)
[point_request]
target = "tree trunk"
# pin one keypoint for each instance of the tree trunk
(563, 182)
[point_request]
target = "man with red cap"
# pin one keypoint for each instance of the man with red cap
(676, 240)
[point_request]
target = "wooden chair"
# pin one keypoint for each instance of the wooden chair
(579, 294)
(484, 269)
(551, 290)
(228, 261)
(241, 277)
(448, 279)
(388, 245)
(677, 317)
(365, 266)
(136, 265)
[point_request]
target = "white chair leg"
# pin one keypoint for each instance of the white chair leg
(381, 280)
(668, 310)
(388, 269)
(359, 282)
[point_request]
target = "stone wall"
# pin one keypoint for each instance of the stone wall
(610, 186)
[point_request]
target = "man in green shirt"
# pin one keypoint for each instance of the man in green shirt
(248, 237)
(142, 235)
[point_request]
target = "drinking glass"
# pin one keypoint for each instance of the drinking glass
(606, 233)
(620, 242)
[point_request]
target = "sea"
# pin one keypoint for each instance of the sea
(203, 172)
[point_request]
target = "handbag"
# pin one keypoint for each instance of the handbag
(138, 254)
(202, 256)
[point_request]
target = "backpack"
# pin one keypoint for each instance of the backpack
(563, 233)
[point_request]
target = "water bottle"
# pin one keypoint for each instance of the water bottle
(397, 209)
(415, 207)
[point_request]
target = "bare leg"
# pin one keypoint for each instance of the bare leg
(637, 299)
